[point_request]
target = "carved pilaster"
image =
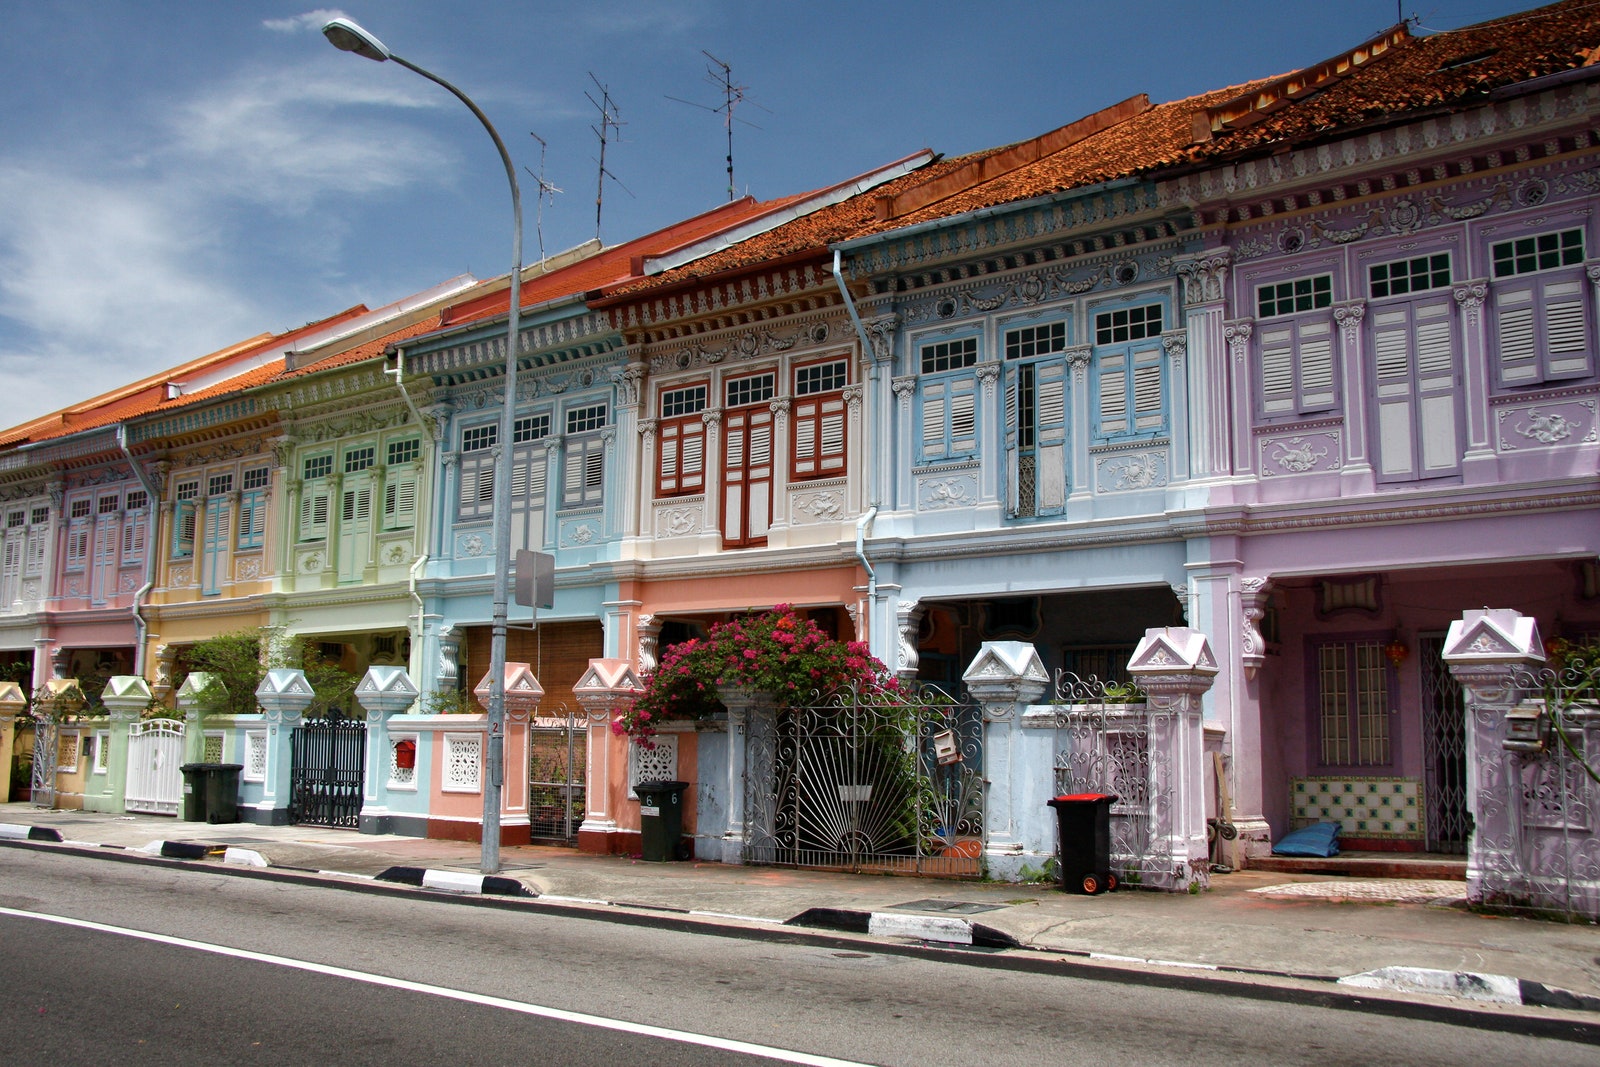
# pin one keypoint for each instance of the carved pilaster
(1470, 295)
(909, 614)
(1348, 317)
(1078, 362)
(904, 389)
(1176, 344)
(880, 332)
(1253, 593)
(1205, 275)
(649, 631)
(989, 375)
(1237, 337)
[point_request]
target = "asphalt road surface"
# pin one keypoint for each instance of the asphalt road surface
(157, 965)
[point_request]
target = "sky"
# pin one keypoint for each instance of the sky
(179, 176)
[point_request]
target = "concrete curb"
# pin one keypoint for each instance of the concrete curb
(941, 928)
(18, 832)
(1471, 985)
(456, 881)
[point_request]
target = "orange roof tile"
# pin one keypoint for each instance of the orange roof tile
(149, 394)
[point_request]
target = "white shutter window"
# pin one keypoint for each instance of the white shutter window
(1565, 323)
(933, 428)
(1114, 394)
(1317, 388)
(1147, 390)
(1277, 370)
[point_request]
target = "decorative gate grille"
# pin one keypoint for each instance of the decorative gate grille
(851, 785)
(155, 759)
(328, 762)
(1444, 745)
(1551, 836)
(46, 753)
(559, 755)
(1105, 747)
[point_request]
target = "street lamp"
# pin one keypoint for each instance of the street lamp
(347, 36)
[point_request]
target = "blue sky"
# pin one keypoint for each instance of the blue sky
(177, 176)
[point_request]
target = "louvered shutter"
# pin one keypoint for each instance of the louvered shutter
(1050, 431)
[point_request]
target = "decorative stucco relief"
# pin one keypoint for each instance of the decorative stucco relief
(813, 506)
(947, 490)
(1126, 471)
(680, 518)
(1551, 423)
(1301, 453)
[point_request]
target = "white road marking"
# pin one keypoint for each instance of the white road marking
(558, 1014)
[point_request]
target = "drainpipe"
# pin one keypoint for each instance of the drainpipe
(398, 370)
(140, 627)
(872, 433)
(861, 551)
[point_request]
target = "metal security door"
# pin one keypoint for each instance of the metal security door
(858, 786)
(559, 756)
(1444, 750)
(155, 759)
(328, 761)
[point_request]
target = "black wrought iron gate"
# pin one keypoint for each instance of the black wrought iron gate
(861, 785)
(1444, 751)
(327, 767)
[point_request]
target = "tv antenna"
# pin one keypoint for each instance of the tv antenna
(546, 189)
(720, 75)
(609, 121)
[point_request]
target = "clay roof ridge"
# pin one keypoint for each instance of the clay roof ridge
(1277, 93)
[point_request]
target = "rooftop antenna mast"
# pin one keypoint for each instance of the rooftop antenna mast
(609, 121)
(546, 189)
(720, 75)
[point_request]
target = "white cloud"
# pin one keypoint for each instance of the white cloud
(106, 284)
(311, 20)
(287, 138)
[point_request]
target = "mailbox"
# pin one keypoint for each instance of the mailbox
(1526, 727)
(405, 754)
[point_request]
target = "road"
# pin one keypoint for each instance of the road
(268, 971)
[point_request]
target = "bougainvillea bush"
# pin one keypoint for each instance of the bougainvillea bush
(780, 653)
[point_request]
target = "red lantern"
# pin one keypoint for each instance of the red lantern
(1396, 651)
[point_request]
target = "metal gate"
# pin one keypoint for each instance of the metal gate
(852, 784)
(328, 760)
(1444, 750)
(155, 760)
(46, 754)
(558, 748)
(1544, 850)
(1103, 746)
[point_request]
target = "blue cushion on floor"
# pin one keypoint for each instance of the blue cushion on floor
(1319, 840)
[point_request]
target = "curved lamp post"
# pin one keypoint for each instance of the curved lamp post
(347, 36)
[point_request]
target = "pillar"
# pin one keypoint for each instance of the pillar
(12, 704)
(523, 693)
(607, 686)
(1526, 800)
(284, 694)
(200, 693)
(383, 692)
(1175, 667)
(1005, 677)
(126, 697)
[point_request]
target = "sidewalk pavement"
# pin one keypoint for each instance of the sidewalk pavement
(1393, 936)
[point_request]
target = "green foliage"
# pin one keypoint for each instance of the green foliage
(1123, 693)
(1048, 873)
(237, 661)
(450, 702)
(779, 653)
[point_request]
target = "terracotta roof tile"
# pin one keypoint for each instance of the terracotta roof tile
(150, 394)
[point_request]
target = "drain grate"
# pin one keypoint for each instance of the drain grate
(948, 907)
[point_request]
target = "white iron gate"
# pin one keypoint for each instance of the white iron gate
(155, 755)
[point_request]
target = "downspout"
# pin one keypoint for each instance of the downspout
(872, 431)
(140, 627)
(398, 370)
